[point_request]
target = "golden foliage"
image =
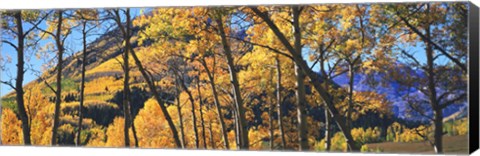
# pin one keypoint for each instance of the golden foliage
(40, 111)
(399, 133)
(369, 135)
(11, 128)
(462, 127)
(115, 136)
(97, 137)
(188, 35)
(152, 128)
(100, 85)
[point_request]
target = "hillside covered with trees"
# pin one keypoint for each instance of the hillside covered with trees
(336, 77)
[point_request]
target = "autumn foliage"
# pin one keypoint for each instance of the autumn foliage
(302, 78)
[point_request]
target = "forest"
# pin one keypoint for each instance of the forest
(379, 77)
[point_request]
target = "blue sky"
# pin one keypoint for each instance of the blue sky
(73, 44)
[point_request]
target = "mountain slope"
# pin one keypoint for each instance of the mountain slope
(395, 95)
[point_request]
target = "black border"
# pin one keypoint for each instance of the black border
(473, 23)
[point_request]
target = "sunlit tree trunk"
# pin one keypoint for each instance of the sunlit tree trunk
(328, 116)
(300, 84)
(19, 81)
(351, 74)
(301, 101)
(279, 102)
(204, 132)
(242, 124)
(194, 116)
(179, 111)
(127, 34)
(58, 92)
(126, 92)
(128, 47)
(160, 102)
(315, 79)
(126, 85)
(437, 110)
(270, 120)
(212, 141)
(438, 131)
(270, 111)
(328, 130)
(217, 105)
(82, 83)
(202, 122)
(236, 126)
(134, 131)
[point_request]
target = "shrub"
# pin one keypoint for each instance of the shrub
(338, 142)
(370, 135)
(94, 137)
(365, 148)
(461, 127)
(319, 145)
(400, 133)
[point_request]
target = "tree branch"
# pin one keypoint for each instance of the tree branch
(452, 101)
(322, 51)
(35, 25)
(425, 137)
(440, 98)
(436, 46)
(44, 31)
(11, 44)
(9, 84)
(411, 57)
(263, 46)
(48, 85)
(410, 104)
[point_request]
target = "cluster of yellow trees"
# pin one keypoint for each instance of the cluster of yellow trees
(40, 121)
(246, 77)
(395, 133)
(400, 133)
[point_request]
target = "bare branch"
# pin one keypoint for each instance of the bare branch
(410, 104)
(437, 56)
(444, 95)
(425, 137)
(411, 57)
(48, 85)
(332, 70)
(263, 46)
(429, 40)
(11, 44)
(322, 51)
(65, 37)
(35, 25)
(452, 101)
(44, 31)
(9, 84)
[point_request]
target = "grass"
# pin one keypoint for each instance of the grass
(451, 144)
(68, 85)
(9, 102)
(111, 65)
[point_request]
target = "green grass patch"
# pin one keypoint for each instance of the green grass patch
(68, 85)
(10, 103)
